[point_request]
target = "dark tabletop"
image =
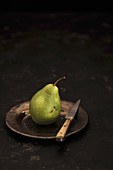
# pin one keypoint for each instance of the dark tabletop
(37, 49)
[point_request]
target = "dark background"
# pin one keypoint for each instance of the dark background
(38, 45)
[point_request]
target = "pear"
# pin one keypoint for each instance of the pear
(45, 105)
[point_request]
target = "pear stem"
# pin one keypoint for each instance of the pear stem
(58, 80)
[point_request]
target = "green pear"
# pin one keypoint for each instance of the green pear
(45, 105)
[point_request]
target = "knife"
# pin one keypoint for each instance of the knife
(69, 117)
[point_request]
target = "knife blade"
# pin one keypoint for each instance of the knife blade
(69, 117)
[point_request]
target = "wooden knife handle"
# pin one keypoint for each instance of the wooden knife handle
(62, 132)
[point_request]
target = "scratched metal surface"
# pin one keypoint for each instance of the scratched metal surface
(38, 48)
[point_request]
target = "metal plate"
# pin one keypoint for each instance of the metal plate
(22, 124)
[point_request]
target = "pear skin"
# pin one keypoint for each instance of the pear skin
(45, 105)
